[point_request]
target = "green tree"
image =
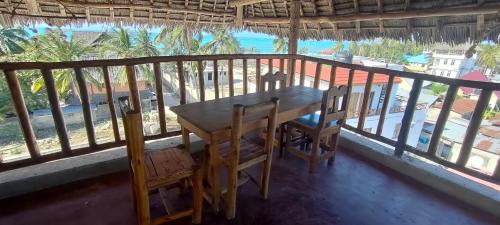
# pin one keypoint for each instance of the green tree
(489, 56)
(180, 40)
(280, 45)
(303, 50)
(223, 42)
(438, 89)
(339, 46)
(11, 40)
(54, 46)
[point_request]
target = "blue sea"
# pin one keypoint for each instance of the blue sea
(262, 42)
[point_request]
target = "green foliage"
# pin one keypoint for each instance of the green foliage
(280, 45)
(11, 40)
(392, 51)
(489, 56)
(303, 50)
(490, 114)
(438, 89)
(223, 42)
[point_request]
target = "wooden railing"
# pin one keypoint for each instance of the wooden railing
(286, 63)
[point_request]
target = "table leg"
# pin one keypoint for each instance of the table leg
(214, 175)
(185, 139)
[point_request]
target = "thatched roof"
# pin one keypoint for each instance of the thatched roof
(452, 21)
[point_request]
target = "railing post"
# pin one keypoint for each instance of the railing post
(134, 91)
(201, 80)
(282, 65)
(230, 77)
(302, 71)
(291, 71)
(56, 111)
(407, 117)
(474, 124)
(216, 79)
(333, 74)
(345, 103)
(317, 76)
(270, 65)
(257, 75)
(385, 105)
(441, 120)
(111, 104)
(159, 97)
(366, 97)
(87, 112)
(182, 82)
(245, 76)
(22, 113)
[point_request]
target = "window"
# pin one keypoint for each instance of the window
(448, 74)
(209, 75)
(397, 129)
(441, 73)
(437, 62)
(452, 62)
(445, 62)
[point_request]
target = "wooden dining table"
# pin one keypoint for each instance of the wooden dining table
(211, 121)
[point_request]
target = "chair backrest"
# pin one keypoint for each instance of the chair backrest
(332, 110)
(271, 80)
(132, 124)
(242, 115)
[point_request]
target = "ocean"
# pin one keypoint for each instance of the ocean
(262, 42)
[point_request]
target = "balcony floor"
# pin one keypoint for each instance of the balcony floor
(353, 191)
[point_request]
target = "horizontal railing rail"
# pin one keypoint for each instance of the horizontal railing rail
(290, 64)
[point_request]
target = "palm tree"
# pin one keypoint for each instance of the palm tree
(223, 42)
(489, 56)
(11, 40)
(54, 46)
(280, 45)
(180, 40)
(339, 46)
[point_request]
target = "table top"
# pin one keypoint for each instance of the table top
(215, 115)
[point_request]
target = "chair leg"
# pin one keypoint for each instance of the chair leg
(232, 187)
(197, 180)
(288, 139)
(281, 143)
(266, 171)
(334, 139)
(314, 154)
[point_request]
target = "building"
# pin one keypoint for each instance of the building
(474, 94)
(450, 61)
(397, 100)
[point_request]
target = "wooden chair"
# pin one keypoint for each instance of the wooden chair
(158, 170)
(325, 125)
(242, 154)
(271, 79)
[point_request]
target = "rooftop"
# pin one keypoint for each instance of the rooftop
(460, 105)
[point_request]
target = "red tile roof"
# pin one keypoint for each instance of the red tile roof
(342, 74)
(461, 106)
(484, 145)
(476, 76)
(490, 131)
(326, 52)
(495, 120)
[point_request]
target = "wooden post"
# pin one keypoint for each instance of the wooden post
(474, 124)
(87, 112)
(159, 97)
(134, 91)
(182, 82)
(111, 103)
(317, 77)
(385, 105)
(22, 113)
(257, 75)
(201, 80)
(56, 111)
(366, 96)
(441, 120)
(216, 80)
(245, 76)
(302, 72)
(230, 77)
(333, 74)
(293, 36)
(407, 117)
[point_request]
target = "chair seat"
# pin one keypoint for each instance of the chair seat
(312, 120)
(248, 151)
(164, 167)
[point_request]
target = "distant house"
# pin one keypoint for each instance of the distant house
(461, 108)
(474, 94)
(393, 119)
(450, 61)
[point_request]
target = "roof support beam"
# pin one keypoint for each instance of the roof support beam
(239, 15)
(245, 2)
(474, 10)
(293, 37)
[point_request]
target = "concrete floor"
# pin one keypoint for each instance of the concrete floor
(353, 191)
